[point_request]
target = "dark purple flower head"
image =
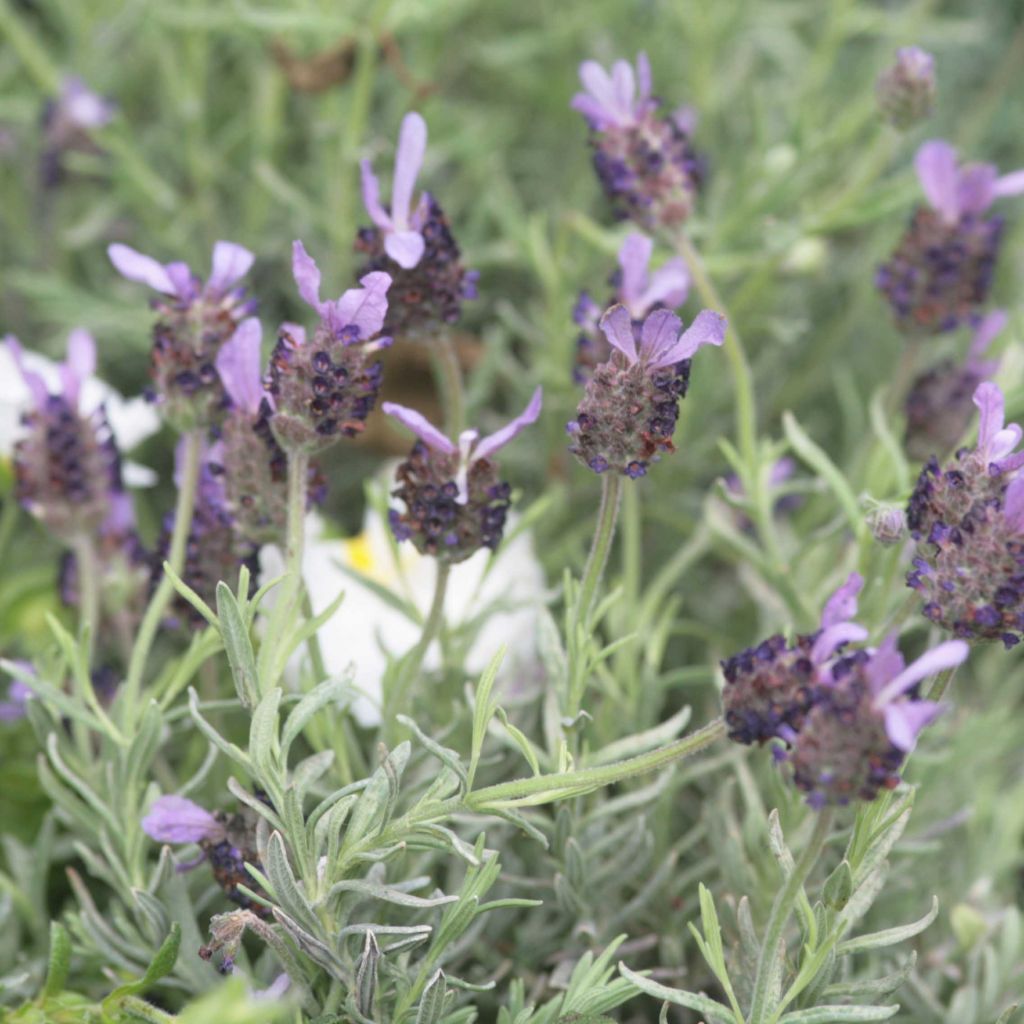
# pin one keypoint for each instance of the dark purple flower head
(414, 244)
(642, 158)
(940, 274)
(939, 404)
(637, 288)
(906, 89)
(863, 721)
(768, 688)
(455, 502)
(250, 463)
(631, 403)
(194, 319)
(67, 465)
(69, 122)
(323, 388)
(174, 819)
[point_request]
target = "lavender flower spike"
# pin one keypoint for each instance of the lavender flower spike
(174, 819)
(454, 500)
(403, 240)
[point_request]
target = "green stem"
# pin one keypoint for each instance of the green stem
(544, 789)
(607, 515)
(739, 365)
(449, 379)
(158, 603)
(408, 668)
(88, 591)
(781, 909)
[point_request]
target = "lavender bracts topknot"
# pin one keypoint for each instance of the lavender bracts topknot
(940, 274)
(454, 500)
(67, 466)
(194, 319)
(643, 159)
(630, 406)
(413, 243)
(324, 387)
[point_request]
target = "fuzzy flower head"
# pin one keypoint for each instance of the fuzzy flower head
(631, 404)
(769, 688)
(227, 841)
(939, 405)
(413, 243)
(636, 287)
(864, 719)
(194, 320)
(251, 464)
(940, 274)
(906, 89)
(968, 520)
(643, 159)
(69, 122)
(324, 387)
(67, 465)
(455, 502)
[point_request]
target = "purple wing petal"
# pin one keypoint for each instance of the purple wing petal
(659, 335)
(634, 255)
(173, 819)
(975, 188)
(591, 109)
(947, 655)
(421, 427)
(904, 720)
(598, 83)
(80, 364)
(412, 145)
(238, 363)
(490, 444)
(643, 75)
(33, 381)
(617, 325)
(231, 262)
(842, 605)
(833, 636)
(885, 664)
(708, 328)
(365, 307)
(1013, 505)
(404, 247)
(669, 285)
(624, 87)
(144, 269)
(307, 276)
(371, 196)
(1009, 184)
(987, 331)
(935, 163)
(989, 400)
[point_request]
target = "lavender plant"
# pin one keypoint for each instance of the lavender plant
(472, 760)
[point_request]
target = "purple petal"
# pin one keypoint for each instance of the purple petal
(624, 87)
(989, 400)
(669, 285)
(634, 255)
(598, 83)
(947, 655)
(296, 332)
(986, 332)
(1009, 184)
(975, 188)
(307, 276)
(174, 819)
(490, 444)
(643, 75)
(421, 427)
(371, 196)
(904, 720)
(82, 106)
(144, 269)
(617, 325)
(238, 363)
(404, 247)
(80, 364)
(231, 262)
(708, 328)
(935, 163)
(842, 605)
(364, 307)
(33, 381)
(782, 469)
(885, 664)
(412, 145)
(1013, 504)
(832, 636)
(659, 335)
(185, 285)
(591, 109)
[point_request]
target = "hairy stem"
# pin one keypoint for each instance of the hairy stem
(604, 533)
(158, 603)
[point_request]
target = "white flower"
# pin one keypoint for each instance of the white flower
(508, 595)
(131, 419)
